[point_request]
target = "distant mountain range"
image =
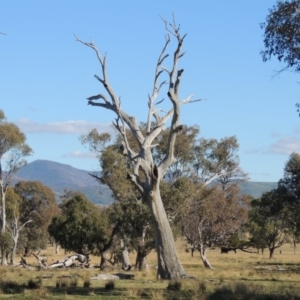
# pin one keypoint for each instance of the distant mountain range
(256, 189)
(59, 177)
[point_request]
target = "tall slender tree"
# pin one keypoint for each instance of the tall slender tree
(13, 150)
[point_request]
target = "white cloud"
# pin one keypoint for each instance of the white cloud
(66, 127)
(79, 154)
(285, 145)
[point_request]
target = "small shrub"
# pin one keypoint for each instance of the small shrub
(57, 283)
(174, 285)
(222, 279)
(202, 287)
(242, 289)
(110, 285)
(62, 282)
(87, 283)
(11, 287)
(33, 285)
(157, 295)
(73, 282)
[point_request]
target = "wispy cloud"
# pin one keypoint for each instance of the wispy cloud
(79, 154)
(285, 145)
(66, 127)
(254, 151)
(275, 134)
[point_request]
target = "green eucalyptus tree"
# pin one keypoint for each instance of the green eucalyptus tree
(268, 229)
(36, 207)
(13, 150)
(82, 227)
(281, 33)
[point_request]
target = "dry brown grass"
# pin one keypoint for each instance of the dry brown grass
(234, 273)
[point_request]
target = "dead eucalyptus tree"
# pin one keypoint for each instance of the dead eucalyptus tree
(145, 174)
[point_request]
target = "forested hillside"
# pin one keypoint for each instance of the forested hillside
(59, 177)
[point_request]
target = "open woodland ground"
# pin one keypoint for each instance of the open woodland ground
(235, 277)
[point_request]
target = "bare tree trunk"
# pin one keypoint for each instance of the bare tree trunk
(4, 258)
(192, 251)
(271, 252)
(27, 251)
(294, 244)
(141, 261)
(3, 228)
(56, 248)
(103, 260)
(169, 266)
(14, 249)
(203, 252)
(126, 265)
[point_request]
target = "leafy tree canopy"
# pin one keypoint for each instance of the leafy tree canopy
(282, 35)
(37, 202)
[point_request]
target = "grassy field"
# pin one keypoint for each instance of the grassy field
(236, 276)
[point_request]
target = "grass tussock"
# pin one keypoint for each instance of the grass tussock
(175, 285)
(34, 284)
(87, 283)
(110, 285)
(65, 282)
(11, 287)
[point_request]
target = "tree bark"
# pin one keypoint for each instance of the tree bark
(271, 252)
(126, 265)
(14, 248)
(203, 252)
(169, 266)
(27, 251)
(103, 260)
(192, 251)
(3, 216)
(141, 261)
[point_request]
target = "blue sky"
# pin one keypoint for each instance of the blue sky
(46, 75)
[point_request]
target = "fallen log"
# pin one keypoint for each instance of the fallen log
(42, 260)
(105, 276)
(118, 276)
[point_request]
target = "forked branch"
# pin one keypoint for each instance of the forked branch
(114, 103)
